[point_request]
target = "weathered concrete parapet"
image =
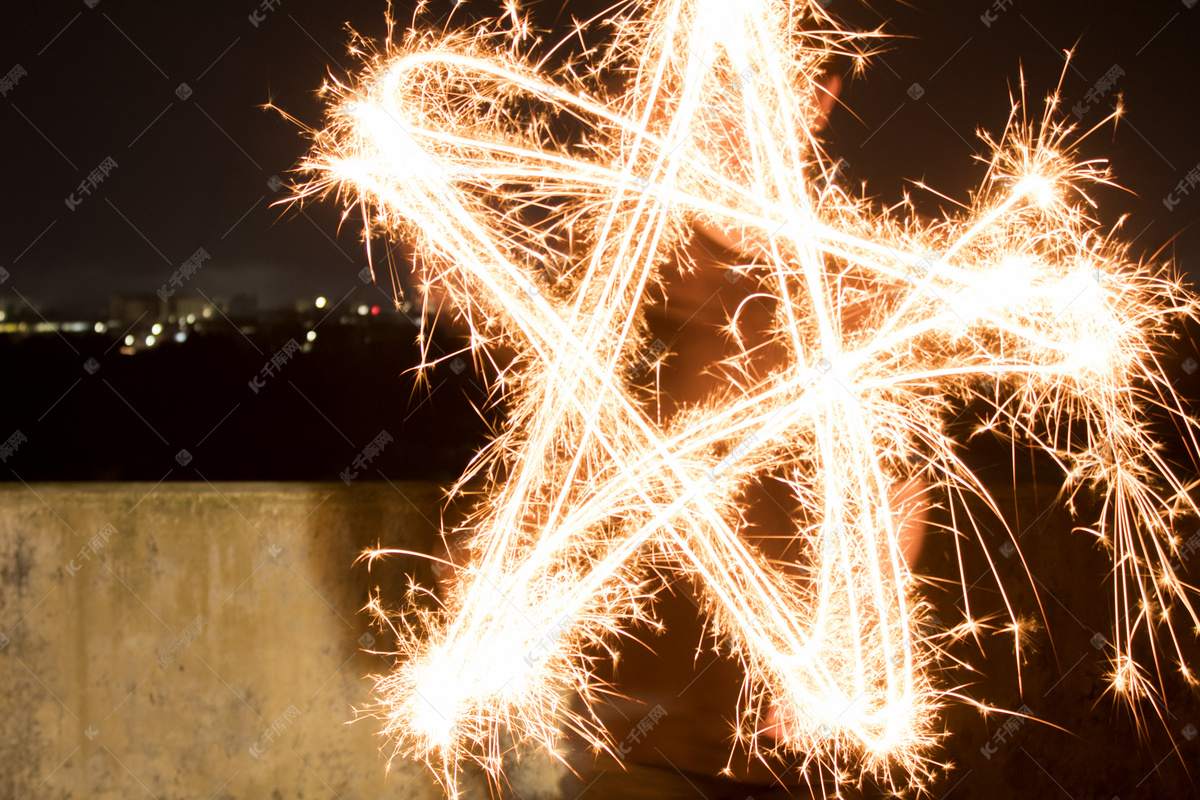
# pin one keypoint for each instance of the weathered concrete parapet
(195, 640)
(198, 640)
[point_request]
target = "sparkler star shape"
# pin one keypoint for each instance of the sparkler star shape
(551, 247)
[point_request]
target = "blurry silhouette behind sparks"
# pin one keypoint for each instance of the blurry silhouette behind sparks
(549, 248)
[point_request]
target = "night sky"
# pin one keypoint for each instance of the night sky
(106, 80)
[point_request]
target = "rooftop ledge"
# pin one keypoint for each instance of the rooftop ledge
(207, 640)
(199, 640)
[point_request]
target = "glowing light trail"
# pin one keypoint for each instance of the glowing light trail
(550, 248)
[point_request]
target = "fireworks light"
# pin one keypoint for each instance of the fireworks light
(549, 246)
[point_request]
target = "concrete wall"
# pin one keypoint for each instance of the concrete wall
(152, 656)
(255, 586)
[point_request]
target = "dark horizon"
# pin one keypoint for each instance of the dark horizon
(166, 102)
(173, 96)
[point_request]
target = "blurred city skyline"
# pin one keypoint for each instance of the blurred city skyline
(135, 133)
(144, 176)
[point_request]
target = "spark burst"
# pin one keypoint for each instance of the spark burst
(548, 247)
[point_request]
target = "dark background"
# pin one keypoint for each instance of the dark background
(195, 167)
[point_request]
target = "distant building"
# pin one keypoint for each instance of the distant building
(12, 311)
(197, 308)
(10, 306)
(240, 306)
(129, 308)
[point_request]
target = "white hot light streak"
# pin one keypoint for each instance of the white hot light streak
(548, 247)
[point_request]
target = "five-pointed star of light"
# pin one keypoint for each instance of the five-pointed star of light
(549, 245)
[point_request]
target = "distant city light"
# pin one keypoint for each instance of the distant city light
(156, 329)
(129, 341)
(362, 311)
(374, 311)
(320, 302)
(310, 335)
(181, 337)
(99, 328)
(150, 341)
(191, 318)
(207, 312)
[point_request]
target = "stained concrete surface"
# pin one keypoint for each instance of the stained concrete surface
(207, 640)
(209, 643)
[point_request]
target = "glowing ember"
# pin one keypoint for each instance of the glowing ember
(549, 248)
